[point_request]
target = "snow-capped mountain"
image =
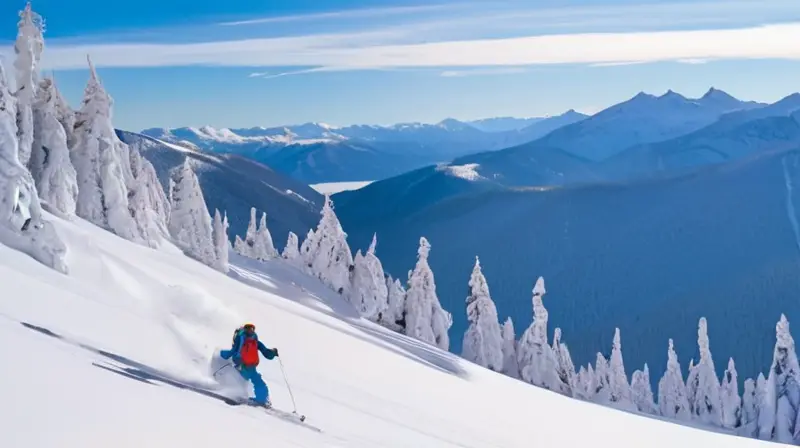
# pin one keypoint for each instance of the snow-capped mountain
(233, 184)
(643, 119)
(503, 124)
(648, 257)
(317, 152)
(723, 141)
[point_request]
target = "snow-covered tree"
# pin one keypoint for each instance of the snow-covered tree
(619, 388)
(673, 401)
(246, 248)
(564, 366)
(641, 391)
(702, 384)
(586, 383)
(510, 364)
(326, 252)
(291, 251)
(783, 388)
(766, 402)
(369, 293)
(50, 163)
(264, 247)
(483, 340)
(601, 384)
(729, 397)
(749, 416)
(221, 242)
(102, 189)
(147, 202)
(65, 115)
(21, 225)
(537, 363)
(394, 317)
(425, 318)
(28, 48)
(190, 223)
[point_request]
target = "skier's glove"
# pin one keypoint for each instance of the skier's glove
(275, 351)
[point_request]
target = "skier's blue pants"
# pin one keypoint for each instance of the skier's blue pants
(259, 386)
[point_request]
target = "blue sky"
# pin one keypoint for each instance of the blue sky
(248, 63)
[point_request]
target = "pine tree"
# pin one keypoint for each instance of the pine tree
(65, 115)
(102, 191)
(619, 388)
(326, 252)
(749, 420)
(247, 248)
(221, 242)
(291, 252)
(702, 383)
(147, 201)
(425, 318)
(510, 364)
(369, 294)
(601, 386)
(264, 246)
(729, 397)
(766, 402)
(537, 363)
(28, 48)
(395, 316)
(22, 228)
(483, 340)
(564, 366)
(588, 381)
(782, 386)
(673, 401)
(56, 179)
(190, 223)
(642, 392)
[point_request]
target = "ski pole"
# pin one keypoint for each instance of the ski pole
(218, 370)
(283, 371)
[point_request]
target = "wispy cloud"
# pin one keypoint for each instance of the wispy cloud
(483, 72)
(365, 51)
(344, 14)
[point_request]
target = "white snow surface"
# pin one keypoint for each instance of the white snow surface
(466, 172)
(338, 187)
(154, 310)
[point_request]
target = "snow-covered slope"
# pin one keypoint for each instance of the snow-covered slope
(503, 124)
(650, 257)
(234, 184)
(93, 360)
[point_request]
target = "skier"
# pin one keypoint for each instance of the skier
(245, 359)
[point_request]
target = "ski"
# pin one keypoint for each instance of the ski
(292, 417)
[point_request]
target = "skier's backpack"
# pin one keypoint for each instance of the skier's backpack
(249, 352)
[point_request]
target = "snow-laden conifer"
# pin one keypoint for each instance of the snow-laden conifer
(147, 202)
(394, 317)
(21, 225)
(64, 114)
(729, 397)
(601, 385)
(702, 383)
(28, 48)
(537, 363)
(510, 364)
(749, 416)
(247, 247)
(766, 403)
(369, 294)
(291, 251)
(564, 366)
(783, 388)
(483, 340)
(264, 247)
(50, 162)
(102, 189)
(190, 223)
(673, 401)
(425, 318)
(642, 393)
(221, 242)
(326, 252)
(619, 388)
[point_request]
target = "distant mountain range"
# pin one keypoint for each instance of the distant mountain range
(316, 152)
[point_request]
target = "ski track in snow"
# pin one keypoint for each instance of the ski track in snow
(790, 210)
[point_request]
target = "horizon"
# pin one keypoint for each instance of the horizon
(349, 62)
